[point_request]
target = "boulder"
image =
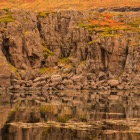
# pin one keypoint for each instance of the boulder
(120, 87)
(78, 78)
(52, 61)
(60, 87)
(136, 80)
(67, 70)
(113, 82)
(42, 78)
(102, 75)
(56, 78)
(77, 87)
(67, 82)
(92, 83)
(69, 87)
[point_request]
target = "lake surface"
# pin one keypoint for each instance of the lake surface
(70, 115)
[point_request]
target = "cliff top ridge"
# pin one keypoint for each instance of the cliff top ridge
(41, 5)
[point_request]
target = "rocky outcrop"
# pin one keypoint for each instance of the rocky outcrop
(70, 43)
(20, 41)
(5, 72)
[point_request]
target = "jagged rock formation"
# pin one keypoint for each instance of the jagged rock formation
(72, 42)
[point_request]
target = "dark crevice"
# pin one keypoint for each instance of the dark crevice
(86, 53)
(5, 49)
(65, 50)
(103, 58)
(126, 54)
(39, 27)
(33, 59)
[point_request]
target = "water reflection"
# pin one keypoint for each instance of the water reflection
(71, 115)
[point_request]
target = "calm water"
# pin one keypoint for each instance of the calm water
(70, 115)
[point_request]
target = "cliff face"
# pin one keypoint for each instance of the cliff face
(82, 42)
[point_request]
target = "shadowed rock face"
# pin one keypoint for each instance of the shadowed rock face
(21, 41)
(62, 33)
(86, 41)
(70, 115)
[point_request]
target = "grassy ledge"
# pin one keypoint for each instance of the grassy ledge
(7, 17)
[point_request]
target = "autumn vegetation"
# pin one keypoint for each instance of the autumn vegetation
(41, 5)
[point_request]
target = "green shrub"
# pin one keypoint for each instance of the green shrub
(63, 60)
(12, 68)
(135, 23)
(63, 118)
(43, 14)
(6, 9)
(92, 42)
(83, 117)
(7, 19)
(46, 70)
(11, 116)
(46, 109)
(46, 52)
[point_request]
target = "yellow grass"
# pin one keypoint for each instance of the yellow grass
(41, 5)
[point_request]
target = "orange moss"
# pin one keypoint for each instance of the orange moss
(105, 20)
(42, 5)
(107, 15)
(106, 25)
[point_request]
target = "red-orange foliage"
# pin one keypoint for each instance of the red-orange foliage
(107, 16)
(105, 20)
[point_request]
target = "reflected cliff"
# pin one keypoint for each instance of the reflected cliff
(70, 115)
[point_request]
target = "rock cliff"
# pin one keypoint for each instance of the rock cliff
(92, 45)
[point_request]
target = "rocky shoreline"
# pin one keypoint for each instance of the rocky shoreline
(77, 82)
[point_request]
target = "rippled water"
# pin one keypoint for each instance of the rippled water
(70, 115)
